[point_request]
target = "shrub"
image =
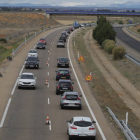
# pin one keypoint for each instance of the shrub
(2, 49)
(109, 46)
(120, 22)
(3, 40)
(118, 52)
(103, 44)
(138, 30)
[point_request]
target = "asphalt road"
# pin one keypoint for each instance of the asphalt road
(28, 110)
(130, 44)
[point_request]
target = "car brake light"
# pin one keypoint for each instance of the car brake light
(91, 128)
(71, 87)
(78, 98)
(68, 74)
(73, 127)
(57, 87)
(64, 97)
(59, 74)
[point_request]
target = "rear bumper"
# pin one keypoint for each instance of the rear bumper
(63, 65)
(60, 46)
(62, 91)
(62, 77)
(84, 137)
(32, 66)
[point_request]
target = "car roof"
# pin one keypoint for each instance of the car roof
(62, 57)
(27, 73)
(80, 118)
(71, 93)
(64, 80)
(63, 69)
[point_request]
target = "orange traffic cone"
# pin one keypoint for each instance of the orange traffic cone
(46, 82)
(47, 63)
(47, 120)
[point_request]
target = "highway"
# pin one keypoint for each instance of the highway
(28, 110)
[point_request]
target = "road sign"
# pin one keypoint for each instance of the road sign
(88, 77)
(81, 59)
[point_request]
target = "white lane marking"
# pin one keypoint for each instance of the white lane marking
(13, 90)
(90, 110)
(48, 73)
(50, 126)
(5, 113)
(48, 64)
(48, 58)
(34, 47)
(48, 85)
(48, 101)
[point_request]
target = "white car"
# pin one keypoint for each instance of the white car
(81, 127)
(32, 53)
(27, 80)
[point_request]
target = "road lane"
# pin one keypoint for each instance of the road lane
(29, 108)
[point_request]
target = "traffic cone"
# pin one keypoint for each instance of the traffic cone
(47, 63)
(46, 82)
(47, 120)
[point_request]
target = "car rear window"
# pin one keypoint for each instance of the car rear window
(63, 71)
(43, 39)
(64, 84)
(71, 97)
(82, 123)
(32, 51)
(41, 43)
(31, 59)
(27, 77)
(63, 59)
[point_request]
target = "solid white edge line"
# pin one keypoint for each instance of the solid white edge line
(91, 112)
(5, 113)
(50, 126)
(48, 84)
(48, 73)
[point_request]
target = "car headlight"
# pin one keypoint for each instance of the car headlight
(20, 82)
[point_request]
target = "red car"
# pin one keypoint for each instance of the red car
(71, 29)
(43, 40)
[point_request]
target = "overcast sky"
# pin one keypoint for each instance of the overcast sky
(70, 2)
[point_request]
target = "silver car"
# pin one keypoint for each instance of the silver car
(71, 99)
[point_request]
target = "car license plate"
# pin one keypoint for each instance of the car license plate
(63, 77)
(71, 104)
(63, 65)
(65, 88)
(82, 135)
(31, 65)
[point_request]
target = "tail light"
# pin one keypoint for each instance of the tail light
(91, 128)
(58, 62)
(78, 98)
(68, 74)
(73, 127)
(57, 87)
(71, 87)
(58, 74)
(64, 97)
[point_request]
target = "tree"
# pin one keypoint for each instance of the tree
(133, 10)
(103, 31)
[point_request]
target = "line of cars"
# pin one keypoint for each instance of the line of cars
(28, 80)
(77, 127)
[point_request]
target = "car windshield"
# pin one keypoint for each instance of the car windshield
(41, 43)
(31, 59)
(63, 59)
(71, 97)
(27, 77)
(32, 51)
(61, 41)
(63, 71)
(82, 123)
(64, 84)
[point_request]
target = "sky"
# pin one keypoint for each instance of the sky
(70, 2)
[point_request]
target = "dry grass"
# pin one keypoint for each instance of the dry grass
(102, 91)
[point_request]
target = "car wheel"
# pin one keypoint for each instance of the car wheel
(79, 107)
(62, 107)
(57, 93)
(57, 66)
(68, 66)
(18, 87)
(34, 88)
(94, 138)
(37, 67)
(70, 138)
(67, 131)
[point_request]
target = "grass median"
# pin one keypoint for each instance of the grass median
(101, 90)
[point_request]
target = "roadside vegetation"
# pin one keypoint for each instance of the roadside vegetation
(101, 90)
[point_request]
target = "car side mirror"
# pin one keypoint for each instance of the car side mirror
(68, 121)
(93, 122)
(80, 95)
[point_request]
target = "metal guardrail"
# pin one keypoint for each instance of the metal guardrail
(133, 32)
(14, 51)
(122, 125)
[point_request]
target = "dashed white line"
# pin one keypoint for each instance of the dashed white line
(48, 73)
(48, 58)
(48, 85)
(48, 101)
(5, 113)
(50, 126)
(90, 110)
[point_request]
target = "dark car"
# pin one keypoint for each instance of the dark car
(62, 38)
(64, 33)
(32, 62)
(63, 86)
(62, 74)
(63, 62)
(71, 29)
(40, 45)
(68, 31)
